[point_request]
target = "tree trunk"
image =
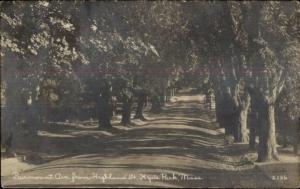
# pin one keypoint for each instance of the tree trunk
(225, 121)
(242, 120)
(267, 150)
(104, 116)
(140, 105)
(105, 110)
(8, 129)
(285, 137)
(169, 94)
(162, 99)
(253, 121)
(156, 105)
(32, 122)
(242, 132)
(126, 110)
(252, 136)
(297, 137)
(146, 101)
(228, 113)
(218, 113)
(11, 115)
(229, 123)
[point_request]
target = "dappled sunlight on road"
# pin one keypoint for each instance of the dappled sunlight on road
(182, 140)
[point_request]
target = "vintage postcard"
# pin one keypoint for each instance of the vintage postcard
(132, 94)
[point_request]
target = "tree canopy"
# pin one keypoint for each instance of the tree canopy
(73, 57)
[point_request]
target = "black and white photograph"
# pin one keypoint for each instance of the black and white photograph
(150, 94)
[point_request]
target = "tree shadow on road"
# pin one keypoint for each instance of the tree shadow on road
(182, 139)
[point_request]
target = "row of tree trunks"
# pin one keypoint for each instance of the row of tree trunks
(233, 117)
(105, 106)
(168, 93)
(142, 102)
(172, 92)
(236, 124)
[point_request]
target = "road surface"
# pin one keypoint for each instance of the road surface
(181, 147)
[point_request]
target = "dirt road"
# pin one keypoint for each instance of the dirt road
(181, 147)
